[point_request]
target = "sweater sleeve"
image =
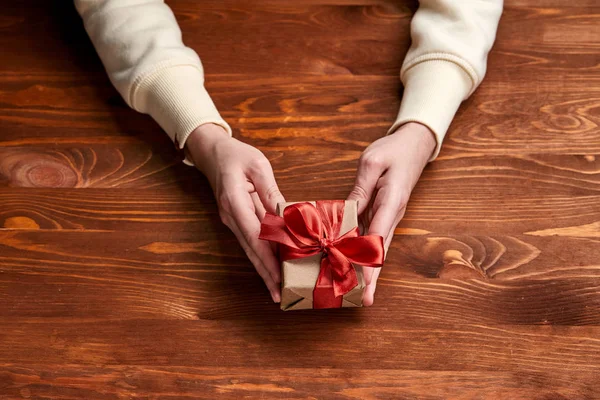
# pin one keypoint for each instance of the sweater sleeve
(446, 61)
(140, 45)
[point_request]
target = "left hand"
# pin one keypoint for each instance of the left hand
(388, 171)
(245, 188)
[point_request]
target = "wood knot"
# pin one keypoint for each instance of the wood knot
(49, 175)
(24, 168)
(456, 265)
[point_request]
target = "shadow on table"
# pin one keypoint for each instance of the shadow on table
(68, 50)
(239, 297)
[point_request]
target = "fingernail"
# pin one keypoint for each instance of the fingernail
(276, 297)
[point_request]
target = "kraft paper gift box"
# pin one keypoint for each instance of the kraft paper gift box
(300, 275)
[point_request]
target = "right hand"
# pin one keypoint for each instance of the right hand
(243, 183)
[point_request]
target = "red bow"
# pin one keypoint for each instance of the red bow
(306, 230)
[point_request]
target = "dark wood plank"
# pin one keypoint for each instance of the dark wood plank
(141, 166)
(359, 342)
(337, 37)
(234, 292)
(509, 114)
(509, 203)
(505, 258)
(205, 275)
(161, 383)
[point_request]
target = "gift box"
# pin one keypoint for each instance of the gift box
(322, 253)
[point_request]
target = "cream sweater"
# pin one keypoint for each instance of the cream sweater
(140, 45)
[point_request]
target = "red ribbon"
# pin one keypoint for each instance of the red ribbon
(306, 230)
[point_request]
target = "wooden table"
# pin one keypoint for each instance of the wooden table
(117, 279)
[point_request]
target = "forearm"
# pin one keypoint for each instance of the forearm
(141, 48)
(447, 60)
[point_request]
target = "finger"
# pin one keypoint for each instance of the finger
(385, 211)
(391, 198)
(368, 275)
(266, 187)
(387, 240)
(385, 218)
(364, 219)
(260, 213)
(242, 211)
(390, 236)
(372, 274)
(272, 286)
(259, 209)
(369, 171)
(369, 294)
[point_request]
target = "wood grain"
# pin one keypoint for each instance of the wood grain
(187, 205)
(117, 279)
(346, 111)
(140, 166)
(200, 274)
(138, 382)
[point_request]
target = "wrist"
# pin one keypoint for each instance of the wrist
(419, 134)
(202, 140)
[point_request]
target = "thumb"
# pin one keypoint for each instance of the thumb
(369, 172)
(267, 189)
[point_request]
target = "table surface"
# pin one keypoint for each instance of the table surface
(117, 279)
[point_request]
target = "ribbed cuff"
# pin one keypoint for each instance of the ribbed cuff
(176, 98)
(433, 91)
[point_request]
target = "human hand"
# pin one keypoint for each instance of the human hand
(388, 171)
(243, 183)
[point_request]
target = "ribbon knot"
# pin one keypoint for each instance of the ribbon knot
(306, 230)
(325, 244)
